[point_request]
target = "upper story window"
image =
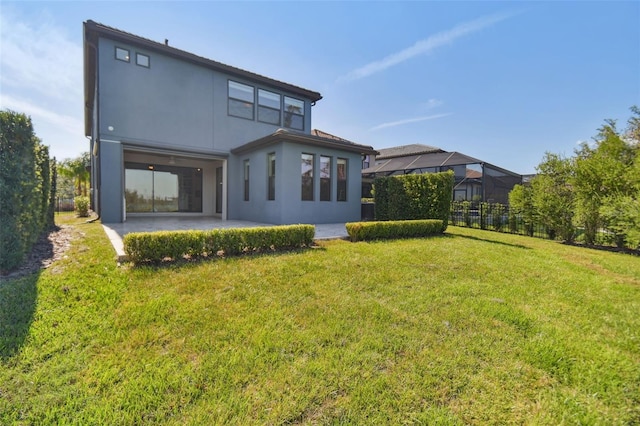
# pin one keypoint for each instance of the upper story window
(142, 60)
(269, 105)
(241, 100)
(122, 54)
(293, 113)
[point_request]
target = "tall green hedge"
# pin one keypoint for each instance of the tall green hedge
(413, 197)
(25, 188)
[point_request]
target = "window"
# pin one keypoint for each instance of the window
(142, 60)
(342, 179)
(122, 54)
(241, 99)
(307, 177)
(158, 188)
(268, 107)
(271, 166)
(325, 178)
(293, 113)
(246, 180)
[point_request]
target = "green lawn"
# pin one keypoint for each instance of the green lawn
(472, 327)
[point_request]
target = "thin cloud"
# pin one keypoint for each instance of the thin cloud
(433, 103)
(408, 121)
(427, 45)
(39, 57)
(65, 123)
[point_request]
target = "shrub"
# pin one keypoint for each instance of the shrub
(25, 186)
(413, 197)
(366, 231)
(81, 204)
(158, 246)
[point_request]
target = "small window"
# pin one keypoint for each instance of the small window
(307, 177)
(241, 100)
(122, 54)
(342, 179)
(268, 107)
(293, 113)
(246, 180)
(142, 60)
(325, 178)
(271, 178)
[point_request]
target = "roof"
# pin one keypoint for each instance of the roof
(419, 156)
(401, 151)
(420, 161)
(326, 140)
(94, 30)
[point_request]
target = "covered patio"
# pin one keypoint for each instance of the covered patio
(116, 231)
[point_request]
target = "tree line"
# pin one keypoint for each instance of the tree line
(594, 192)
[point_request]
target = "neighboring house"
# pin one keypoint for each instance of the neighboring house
(173, 133)
(475, 180)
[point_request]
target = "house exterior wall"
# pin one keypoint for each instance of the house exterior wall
(172, 111)
(288, 207)
(173, 103)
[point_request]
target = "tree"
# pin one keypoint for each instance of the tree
(605, 182)
(553, 197)
(76, 169)
(521, 207)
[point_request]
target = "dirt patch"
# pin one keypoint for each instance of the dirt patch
(49, 248)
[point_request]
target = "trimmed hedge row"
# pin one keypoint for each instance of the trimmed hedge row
(158, 246)
(413, 197)
(27, 188)
(366, 231)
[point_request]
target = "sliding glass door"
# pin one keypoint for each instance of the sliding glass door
(151, 188)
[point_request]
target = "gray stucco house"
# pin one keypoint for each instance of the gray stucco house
(173, 133)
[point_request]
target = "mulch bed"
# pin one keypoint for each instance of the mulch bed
(49, 248)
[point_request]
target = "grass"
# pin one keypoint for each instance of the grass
(473, 327)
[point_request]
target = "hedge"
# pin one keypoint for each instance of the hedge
(415, 196)
(366, 231)
(26, 188)
(174, 245)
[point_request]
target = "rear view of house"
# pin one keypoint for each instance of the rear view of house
(173, 133)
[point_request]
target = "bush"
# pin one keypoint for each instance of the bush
(81, 206)
(158, 246)
(25, 186)
(366, 231)
(413, 197)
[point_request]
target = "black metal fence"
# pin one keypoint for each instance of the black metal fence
(498, 217)
(64, 204)
(493, 217)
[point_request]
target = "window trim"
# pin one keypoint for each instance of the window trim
(128, 57)
(229, 98)
(138, 55)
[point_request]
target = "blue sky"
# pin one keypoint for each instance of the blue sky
(500, 81)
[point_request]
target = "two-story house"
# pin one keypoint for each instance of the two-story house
(173, 133)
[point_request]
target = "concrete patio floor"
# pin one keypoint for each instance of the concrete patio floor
(116, 231)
